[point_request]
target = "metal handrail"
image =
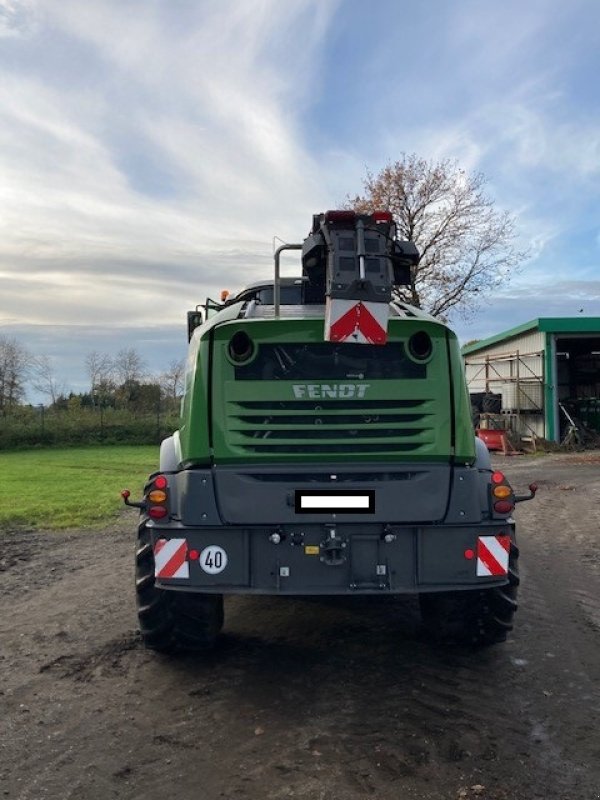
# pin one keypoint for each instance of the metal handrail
(276, 285)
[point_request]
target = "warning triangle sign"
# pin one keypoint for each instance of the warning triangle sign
(352, 321)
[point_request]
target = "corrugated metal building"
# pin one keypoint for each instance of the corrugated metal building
(543, 371)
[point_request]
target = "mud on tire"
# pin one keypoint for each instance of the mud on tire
(476, 618)
(172, 621)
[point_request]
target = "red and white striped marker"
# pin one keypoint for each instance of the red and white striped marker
(351, 321)
(170, 559)
(492, 555)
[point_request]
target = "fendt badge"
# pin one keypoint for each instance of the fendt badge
(336, 391)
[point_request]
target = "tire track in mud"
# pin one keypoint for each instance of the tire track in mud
(427, 709)
(558, 628)
(316, 699)
(476, 716)
(107, 658)
(541, 699)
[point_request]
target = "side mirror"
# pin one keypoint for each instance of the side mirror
(194, 320)
(404, 256)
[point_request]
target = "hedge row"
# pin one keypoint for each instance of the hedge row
(32, 428)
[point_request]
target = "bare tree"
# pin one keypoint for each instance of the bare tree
(172, 380)
(129, 366)
(45, 380)
(466, 245)
(99, 368)
(15, 363)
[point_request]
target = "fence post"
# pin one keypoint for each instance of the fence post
(158, 418)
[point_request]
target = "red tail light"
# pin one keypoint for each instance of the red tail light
(157, 512)
(502, 497)
(382, 216)
(340, 216)
(157, 498)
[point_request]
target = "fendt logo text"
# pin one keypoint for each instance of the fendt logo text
(336, 391)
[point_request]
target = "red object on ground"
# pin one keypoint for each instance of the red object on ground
(492, 438)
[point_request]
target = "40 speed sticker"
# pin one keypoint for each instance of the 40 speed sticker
(213, 559)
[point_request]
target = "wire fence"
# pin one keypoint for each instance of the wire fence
(37, 426)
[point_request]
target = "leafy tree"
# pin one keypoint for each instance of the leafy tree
(466, 245)
(137, 396)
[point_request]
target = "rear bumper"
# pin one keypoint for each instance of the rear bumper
(325, 559)
(255, 497)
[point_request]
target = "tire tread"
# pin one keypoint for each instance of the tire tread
(480, 617)
(172, 621)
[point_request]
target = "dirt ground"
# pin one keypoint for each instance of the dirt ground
(320, 699)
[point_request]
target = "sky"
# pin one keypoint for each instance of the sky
(153, 151)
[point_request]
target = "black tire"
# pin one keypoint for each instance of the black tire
(172, 621)
(477, 618)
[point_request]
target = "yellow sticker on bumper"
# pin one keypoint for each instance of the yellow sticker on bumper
(311, 550)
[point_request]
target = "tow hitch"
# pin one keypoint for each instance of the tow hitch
(332, 549)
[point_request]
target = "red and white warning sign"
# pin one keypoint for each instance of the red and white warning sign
(492, 555)
(352, 321)
(170, 559)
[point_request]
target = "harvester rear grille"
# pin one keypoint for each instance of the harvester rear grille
(330, 426)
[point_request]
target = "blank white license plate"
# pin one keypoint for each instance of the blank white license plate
(342, 502)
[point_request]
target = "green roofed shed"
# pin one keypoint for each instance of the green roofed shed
(541, 372)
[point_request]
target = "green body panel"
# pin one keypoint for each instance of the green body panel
(464, 438)
(267, 422)
(194, 431)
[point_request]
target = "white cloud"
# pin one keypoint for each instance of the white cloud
(149, 151)
(214, 112)
(537, 140)
(17, 18)
(529, 300)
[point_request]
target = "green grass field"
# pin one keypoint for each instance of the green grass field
(70, 488)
